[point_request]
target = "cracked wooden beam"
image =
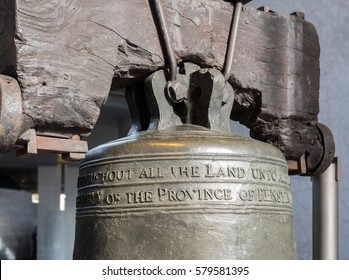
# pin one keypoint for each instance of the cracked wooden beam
(67, 54)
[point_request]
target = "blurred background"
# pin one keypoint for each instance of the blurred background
(37, 194)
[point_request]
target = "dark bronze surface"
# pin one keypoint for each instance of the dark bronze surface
(184, 193)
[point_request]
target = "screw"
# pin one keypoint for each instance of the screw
(75, 137)
(176, 91)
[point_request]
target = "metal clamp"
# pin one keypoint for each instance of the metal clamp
(297, 167)
(205, 104)
(29, 143)
(10, 112)
(328, 144)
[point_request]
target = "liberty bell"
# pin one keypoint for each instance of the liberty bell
(180, 185)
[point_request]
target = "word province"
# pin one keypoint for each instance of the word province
(161, 195)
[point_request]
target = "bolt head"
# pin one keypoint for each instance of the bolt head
(177, 92)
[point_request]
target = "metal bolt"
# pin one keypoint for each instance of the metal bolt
(75, 137)
(176, 91)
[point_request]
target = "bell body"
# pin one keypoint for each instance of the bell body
(184, 193)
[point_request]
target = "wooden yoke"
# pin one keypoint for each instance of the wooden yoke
(66, 55)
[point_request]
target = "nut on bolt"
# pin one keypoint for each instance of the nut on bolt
(176, 91)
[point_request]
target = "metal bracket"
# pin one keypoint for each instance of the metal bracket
(207, 101)
(297, 167)
(30, 143)
(11, 122)
(328, 144)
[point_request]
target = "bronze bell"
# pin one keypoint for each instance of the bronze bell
(180, 185)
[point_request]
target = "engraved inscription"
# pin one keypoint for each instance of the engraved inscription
(158, 196)
(105, 176)
(258, 194)
(185, 171)
(151, 173)
(199, 172)
(113, 198)
(139, 197)
(172, 194)
(194, 194)
(233, 172)
(195, 183)
(263, 194)
(89, 199)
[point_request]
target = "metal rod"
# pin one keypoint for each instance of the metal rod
(229, 57)
(325, 213)
(165, 42)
